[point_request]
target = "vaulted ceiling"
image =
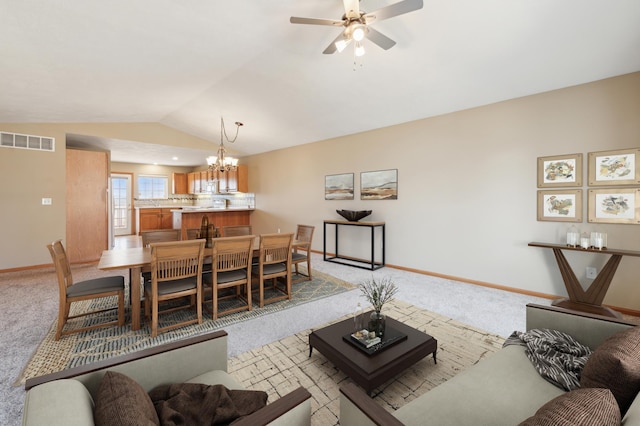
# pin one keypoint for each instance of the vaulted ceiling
(187, 63)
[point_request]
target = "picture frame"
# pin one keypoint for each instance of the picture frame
(560, 205)
(339, 187)
(614, 168)
(379, 185)
(560, 170)
(614, 205)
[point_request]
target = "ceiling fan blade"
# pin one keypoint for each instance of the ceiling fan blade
(315, 21)
(351, 8)
(380, 39)
(332, 48)
(402, 7)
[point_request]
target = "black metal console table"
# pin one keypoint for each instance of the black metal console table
(337, 258)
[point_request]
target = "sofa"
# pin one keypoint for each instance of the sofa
(69, 397)
(506, 389)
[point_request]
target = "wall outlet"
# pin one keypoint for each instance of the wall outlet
(46, 201)
(592, 273)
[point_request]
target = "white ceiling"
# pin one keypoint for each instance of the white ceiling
(186, 63)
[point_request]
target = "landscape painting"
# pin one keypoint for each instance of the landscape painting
(338, 187)
(379, 185)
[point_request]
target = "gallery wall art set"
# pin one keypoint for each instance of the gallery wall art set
(615, 174)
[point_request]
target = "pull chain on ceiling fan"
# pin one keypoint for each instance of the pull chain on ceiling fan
(357, 27)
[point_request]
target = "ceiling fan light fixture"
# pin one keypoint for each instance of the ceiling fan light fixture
(358, 31)
(342, 44)
(359, 49)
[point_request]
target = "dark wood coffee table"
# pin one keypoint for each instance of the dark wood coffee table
(371, 371)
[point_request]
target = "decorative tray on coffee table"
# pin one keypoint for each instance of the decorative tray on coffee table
(375, 345)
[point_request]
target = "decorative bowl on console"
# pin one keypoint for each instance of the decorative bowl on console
(354, 215)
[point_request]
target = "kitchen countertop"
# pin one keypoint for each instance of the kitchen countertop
(201, 210)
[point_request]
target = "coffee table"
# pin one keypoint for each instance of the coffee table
(371, 371)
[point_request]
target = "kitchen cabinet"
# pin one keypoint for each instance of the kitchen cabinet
(180, 183)
(228, 181)
(156, 218)
(150, 219)
(234, 180)
(193, 182)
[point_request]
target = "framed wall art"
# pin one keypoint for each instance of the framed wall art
(379, 185)
(560, 170)
(614, 168)
(560, 205)
(338, 187)
(614, 205)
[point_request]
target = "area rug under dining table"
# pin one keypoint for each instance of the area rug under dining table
(95, 345)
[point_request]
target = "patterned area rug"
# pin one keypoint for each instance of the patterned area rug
(103, 343)
(282, 366)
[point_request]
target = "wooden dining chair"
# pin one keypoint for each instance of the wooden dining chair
(176, 272)
(160, 235)
(157, 236)
(302, 252)
(274, 261)
(70, 292)
(237, 230)
(230, 269)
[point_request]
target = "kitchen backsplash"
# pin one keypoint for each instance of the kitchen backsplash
(237, 200)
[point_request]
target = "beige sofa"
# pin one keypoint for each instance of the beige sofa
(502, 389)
(67, 397)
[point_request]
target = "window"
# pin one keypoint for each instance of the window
(150, 187)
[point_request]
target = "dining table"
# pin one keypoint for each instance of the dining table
(138, 258)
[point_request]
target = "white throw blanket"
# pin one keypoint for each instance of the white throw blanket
(558, 357)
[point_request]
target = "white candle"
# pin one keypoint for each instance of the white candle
(584, 242)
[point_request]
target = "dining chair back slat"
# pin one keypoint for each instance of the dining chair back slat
(237, 230)
(160, 235)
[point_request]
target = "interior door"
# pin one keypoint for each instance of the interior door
(121, 212)
(87, 212)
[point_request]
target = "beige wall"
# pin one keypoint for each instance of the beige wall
(26, 226)
(467, 186)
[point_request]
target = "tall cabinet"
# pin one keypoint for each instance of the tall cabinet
(87, 176)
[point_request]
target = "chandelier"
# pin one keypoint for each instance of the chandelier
(221, 162)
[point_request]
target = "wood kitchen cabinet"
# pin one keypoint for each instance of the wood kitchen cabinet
(156, 218)
(150, 219)
(234, 180)
(229, 181)
(180, 183)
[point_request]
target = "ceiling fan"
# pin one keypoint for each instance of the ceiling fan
(356, 24)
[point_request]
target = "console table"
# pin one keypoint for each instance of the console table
(590, 300)
(370, 264)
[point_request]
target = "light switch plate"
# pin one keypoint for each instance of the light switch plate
(46, 201)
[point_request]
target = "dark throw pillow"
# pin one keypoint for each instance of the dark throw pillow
(615, 365)
(122, 401)
(580, 407)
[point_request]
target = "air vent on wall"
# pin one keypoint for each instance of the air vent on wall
(17, 140)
